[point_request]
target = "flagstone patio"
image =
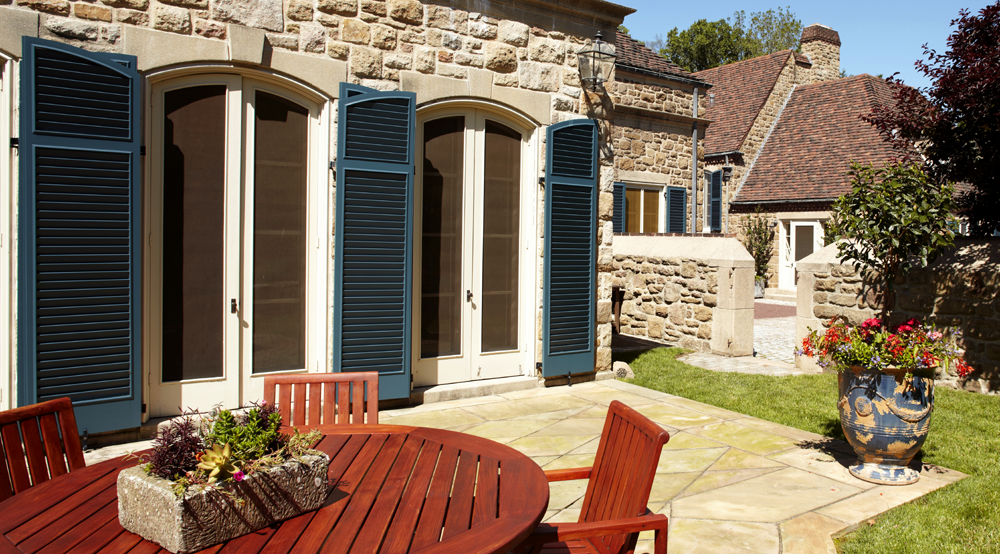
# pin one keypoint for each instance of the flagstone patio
(728, 482)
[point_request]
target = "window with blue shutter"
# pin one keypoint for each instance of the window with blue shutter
(372, 243)
(570, 258)
(618, 214)
(716, 186)
(79, 247)
(676, 210)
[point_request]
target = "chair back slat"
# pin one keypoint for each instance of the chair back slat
(623, 473)
(39, 442)
(325, 398)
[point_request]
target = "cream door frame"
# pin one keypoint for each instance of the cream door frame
(7, 226)
(788, 238)
(237, 385)
(472, 364)
(316, 213)
(166, 397)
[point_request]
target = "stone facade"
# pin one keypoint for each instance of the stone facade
(959, 289)
(692, 292)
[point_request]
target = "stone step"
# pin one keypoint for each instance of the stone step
(780, 294)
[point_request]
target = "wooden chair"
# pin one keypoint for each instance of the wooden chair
(614, 508)
(337, 397)
(35, 448)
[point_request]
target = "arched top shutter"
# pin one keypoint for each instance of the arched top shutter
(372, 243)
(79, 249)
(716, 186)
(618, 215)
(570, 257)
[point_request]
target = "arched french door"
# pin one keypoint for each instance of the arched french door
(473, 280)
(236, 281)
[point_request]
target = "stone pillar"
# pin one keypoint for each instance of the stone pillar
(822, 45)
(732, 317)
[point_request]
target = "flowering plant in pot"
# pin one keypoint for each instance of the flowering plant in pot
(893, 220)
(209, 480)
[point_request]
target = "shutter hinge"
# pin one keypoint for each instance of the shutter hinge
(14, 142)
(143, 410)
(142, 150)
(541, 182)
(333, 166)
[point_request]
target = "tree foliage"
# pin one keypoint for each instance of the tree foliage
(894, 219)
(707, 44)
(953, 126)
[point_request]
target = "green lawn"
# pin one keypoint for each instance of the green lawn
(965, 436)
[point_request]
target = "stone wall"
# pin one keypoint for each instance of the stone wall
(961, 288)
(627, 91)
(692, 292)
(822, 45)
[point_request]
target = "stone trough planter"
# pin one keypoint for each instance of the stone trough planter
(148, 507)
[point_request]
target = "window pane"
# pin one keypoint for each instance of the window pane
(803, 241)
(279, 234)
(501, 222)
(194, 140)
(633, 205)
(441, 293)
(650, 211)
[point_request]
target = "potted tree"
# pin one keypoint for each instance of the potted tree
(892, 221)
(758, 239)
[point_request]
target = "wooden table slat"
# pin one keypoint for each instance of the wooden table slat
(353, 518)
(432, 516)
(402, 527)
(74, 535)
(251, 543)
(7, 547)
(459, 516)
(122, 543)
(71, 511)
(99, 538)
(288, 534)
(487, 485)
(146, 547)
(60, 495)
(370, 537)
(326, 517)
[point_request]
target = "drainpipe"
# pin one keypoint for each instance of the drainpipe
(694, 166)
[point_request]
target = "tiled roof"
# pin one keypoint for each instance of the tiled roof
(740, 89)
(817, 135)
(634, 54)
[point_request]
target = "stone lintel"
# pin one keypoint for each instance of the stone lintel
(14, 24)
(246, 44)
(430, 88)
(657, 114)
(323, 73)
(158, 49)
(714, 251)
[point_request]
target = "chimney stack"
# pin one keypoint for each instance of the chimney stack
(822, 45)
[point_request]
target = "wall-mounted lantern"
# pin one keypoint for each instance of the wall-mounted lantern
(727, 173)
(596, 63)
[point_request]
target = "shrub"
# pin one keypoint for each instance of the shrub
(758, 239)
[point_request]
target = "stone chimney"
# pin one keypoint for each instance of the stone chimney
(822, 45)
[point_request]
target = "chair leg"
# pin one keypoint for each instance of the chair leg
(660, 539)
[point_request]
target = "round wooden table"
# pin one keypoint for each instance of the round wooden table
(394, 489)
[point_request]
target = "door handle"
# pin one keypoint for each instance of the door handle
(468, 296)
(232, 306)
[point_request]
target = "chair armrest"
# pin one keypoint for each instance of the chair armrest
(568, 474)
(556, 532)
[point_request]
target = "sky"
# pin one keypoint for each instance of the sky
(876, 36)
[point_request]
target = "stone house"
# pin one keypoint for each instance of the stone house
(789, 126)
(203, 192)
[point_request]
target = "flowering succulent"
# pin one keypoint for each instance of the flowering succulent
(912, 346)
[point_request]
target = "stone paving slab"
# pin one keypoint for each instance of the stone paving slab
(729, 483)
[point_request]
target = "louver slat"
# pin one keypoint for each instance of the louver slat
(570, 221)
(717, 201)
(79, 325)
(676, 210)
(372, 242)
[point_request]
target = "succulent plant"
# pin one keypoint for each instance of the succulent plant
(216, 461)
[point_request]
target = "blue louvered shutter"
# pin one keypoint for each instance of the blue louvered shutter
(676, 210)
(79, 248)
(570, 260)
(372, 243)
(717, 201)
(618, 215)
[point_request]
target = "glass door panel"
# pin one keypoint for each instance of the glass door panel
(501, 224)
(194, 196)
(442, 297)
(279, 234)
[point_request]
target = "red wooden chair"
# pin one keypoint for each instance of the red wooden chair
(331, 397)
(614, 509)
(35, 447)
